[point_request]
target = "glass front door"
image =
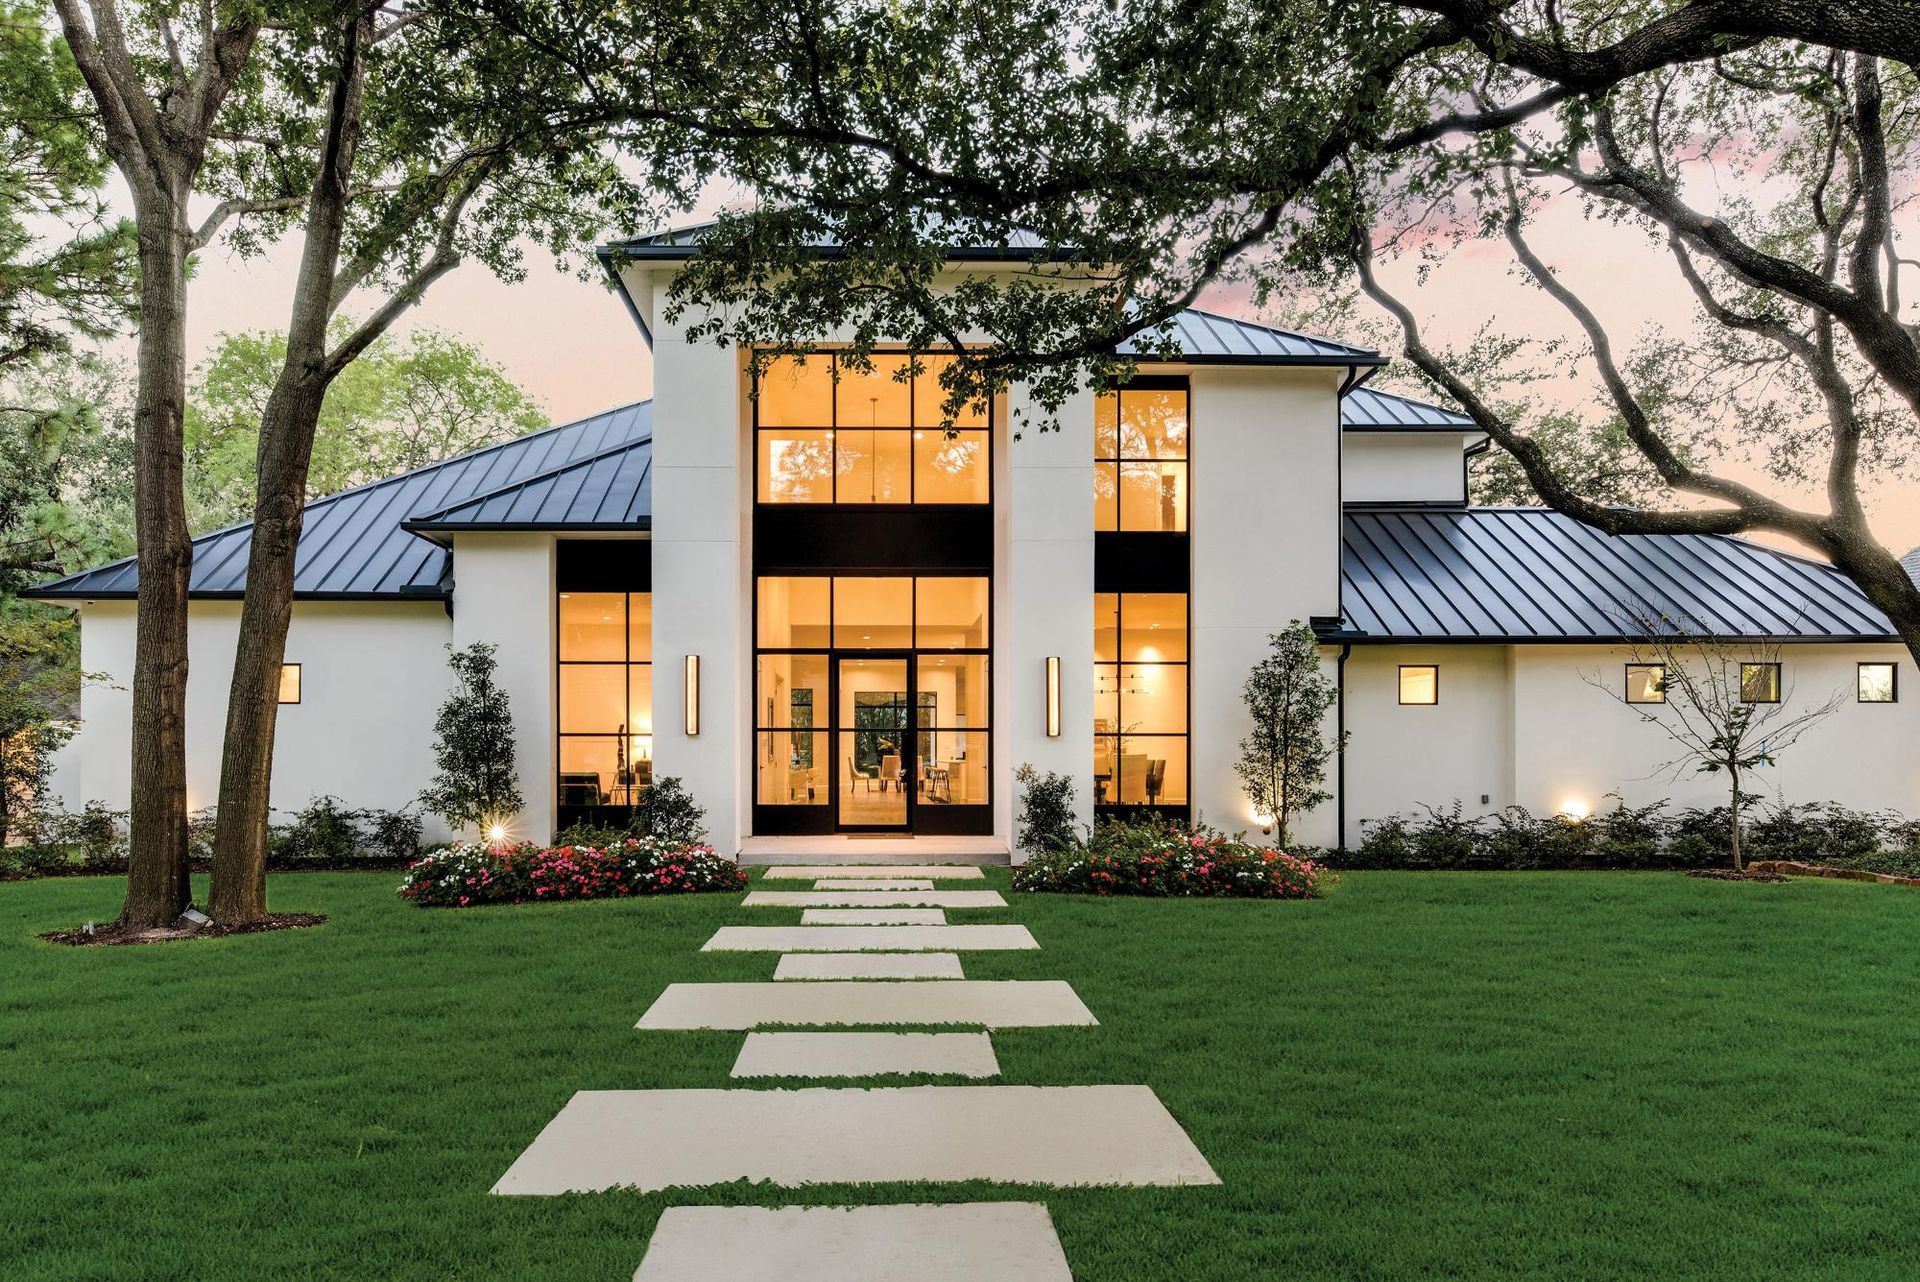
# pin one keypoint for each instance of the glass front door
(875, 749)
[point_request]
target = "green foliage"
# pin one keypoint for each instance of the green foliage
(476, 783)
(1283, 762)
(402, 404)
(1046, 810)
(670, 814)
(330, 834)
(1164, 859)
(470, 874)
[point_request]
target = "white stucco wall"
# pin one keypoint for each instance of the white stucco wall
(1045, 585)
(702, 508)
(1403, 467)
(372, 677)
(1266, 550)
(503, 594)
(1525, 725)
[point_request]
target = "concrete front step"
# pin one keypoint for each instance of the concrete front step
(944, 872)
(985, 1003)
(961, 1242)
(864, 898)
(873, 917)
(855, 939)
(865, 1055)
(869, 966)
(1066, 1136)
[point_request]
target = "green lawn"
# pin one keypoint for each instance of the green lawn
(1569, 1075)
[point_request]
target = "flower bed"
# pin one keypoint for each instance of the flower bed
(466, 874)
(1174, 863)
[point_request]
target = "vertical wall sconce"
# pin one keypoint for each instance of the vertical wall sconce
(1053, 696)
(693, 694)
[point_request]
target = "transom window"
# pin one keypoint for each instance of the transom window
(1878, 683)
(1140, 699)
(828, 432)
(1646, 683)
(1419, 683)
(1759, 683)
(1140, 457)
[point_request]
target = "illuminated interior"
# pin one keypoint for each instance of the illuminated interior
(1140, 698)
(871, 695)
(1140, 459)
(828, 432)
(605, 684)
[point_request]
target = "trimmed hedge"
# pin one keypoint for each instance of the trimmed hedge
(1651, 836)
(472, 873)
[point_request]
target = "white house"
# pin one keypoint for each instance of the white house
(829, 617)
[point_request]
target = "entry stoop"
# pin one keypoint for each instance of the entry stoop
(883, 851)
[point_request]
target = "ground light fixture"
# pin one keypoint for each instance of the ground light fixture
(1575, 809)
(693, 695)
(1053, 696)
(497, 832)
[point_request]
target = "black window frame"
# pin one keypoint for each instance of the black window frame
(1117, 664)
(1119, 459)
(1779, 678)
(299, 686)
(620, 567)
(1399, 685)
(1627, 671)
(1893, 682)
(831, 356)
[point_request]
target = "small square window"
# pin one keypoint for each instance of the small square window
(1879, 683)
(1759, 683)
(1646, 683)
(289, 683)
(1419, 683)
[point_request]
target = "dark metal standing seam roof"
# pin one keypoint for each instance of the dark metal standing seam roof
(1206, 337)
(355, 545)
(1533, 574)
(1367, 407)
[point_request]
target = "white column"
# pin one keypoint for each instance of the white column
(503, 594)
(1266, 550)
(1045, 602)
(701, 577)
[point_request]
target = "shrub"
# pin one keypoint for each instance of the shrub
(96, 836)
(471, 873)
(1163, 859)
(329, 834)
(1046, 810)
(670, 814)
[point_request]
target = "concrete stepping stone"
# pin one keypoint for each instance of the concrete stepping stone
(873, 883)
(874, 899)
(1060, 1135)
(985, 1003)
(951, 872)
(869, 966)
(854, 939)
(961, 1242)
(873, 917)
(865, 1054)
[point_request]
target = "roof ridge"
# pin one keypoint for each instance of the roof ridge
(585, 460)
(1282, 329)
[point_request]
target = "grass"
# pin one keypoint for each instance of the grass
(1543, 1075)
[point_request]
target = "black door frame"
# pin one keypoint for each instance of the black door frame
(910, 745)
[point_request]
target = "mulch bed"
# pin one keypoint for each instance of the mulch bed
(1728, 874)
(113, 934)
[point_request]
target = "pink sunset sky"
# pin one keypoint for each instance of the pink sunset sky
(570, 343)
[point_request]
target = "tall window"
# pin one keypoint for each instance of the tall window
(825, 432)
(1140, 698)
(606, 698)
(1140, 457)
(870, 690)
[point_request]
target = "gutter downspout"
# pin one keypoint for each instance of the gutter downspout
(1340, 731)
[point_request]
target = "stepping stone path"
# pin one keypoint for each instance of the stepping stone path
(875, 948)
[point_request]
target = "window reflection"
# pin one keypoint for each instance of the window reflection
(1140, 451)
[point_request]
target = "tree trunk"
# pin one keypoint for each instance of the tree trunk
(286, 448)
(157, 886)
(1733, 824)
(253, 700)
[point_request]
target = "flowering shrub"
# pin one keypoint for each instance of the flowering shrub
(1169, 861)
(469, 873)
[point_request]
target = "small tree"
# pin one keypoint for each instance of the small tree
(477, 785)
(1283, 763)
(1046, 809)
(1727, 705)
